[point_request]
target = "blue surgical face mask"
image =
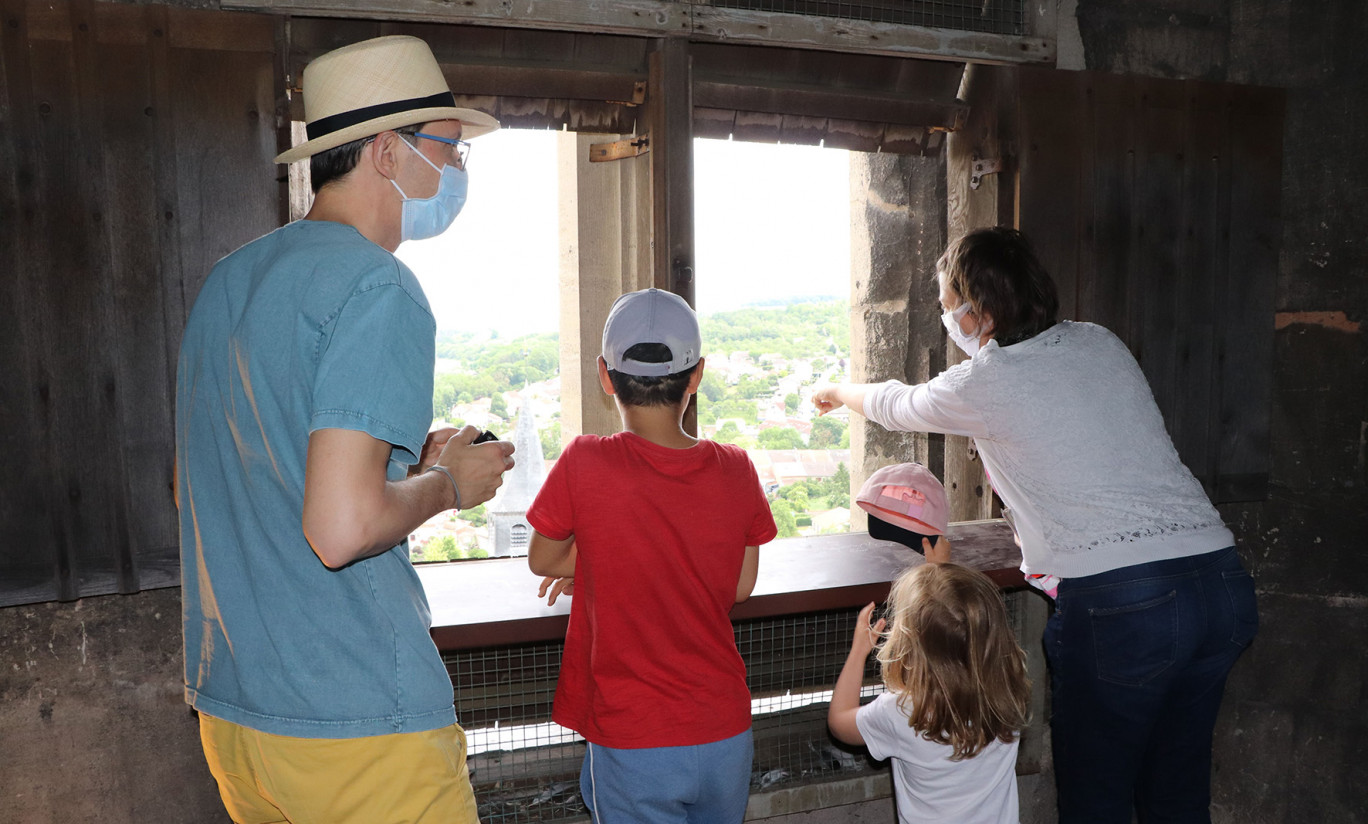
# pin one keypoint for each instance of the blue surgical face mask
(968, 343)
(430, 216)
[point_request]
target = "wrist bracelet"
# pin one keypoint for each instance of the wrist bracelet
(454, 488)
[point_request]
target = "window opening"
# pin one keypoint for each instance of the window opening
(772, 230)
(491, 280)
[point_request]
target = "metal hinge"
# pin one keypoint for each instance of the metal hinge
(982, 167)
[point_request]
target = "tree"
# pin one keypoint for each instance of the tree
(745, 410)
(751, 387)
(784, 519)
(729, 433)
(835, 489)
(838, 483)
(781, 438)
(498, 406)
(791, 401)
(441, 548)
(551, 441)
(711, 387)
(826, 432)
(475, 516)
(797, 496)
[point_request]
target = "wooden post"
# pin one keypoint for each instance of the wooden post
(669, 113)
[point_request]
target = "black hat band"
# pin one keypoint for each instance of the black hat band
(342, 120)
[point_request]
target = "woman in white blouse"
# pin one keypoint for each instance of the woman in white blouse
(1152, 603)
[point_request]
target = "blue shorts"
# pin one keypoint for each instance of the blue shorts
(705, 783)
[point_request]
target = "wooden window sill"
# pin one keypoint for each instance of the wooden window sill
(493, 602)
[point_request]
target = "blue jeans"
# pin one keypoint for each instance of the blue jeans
(1138, 661)
(702, 784)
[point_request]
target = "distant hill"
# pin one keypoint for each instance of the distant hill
(791, 327)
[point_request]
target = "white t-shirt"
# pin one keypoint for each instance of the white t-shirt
(929, 787)
(1073, 442)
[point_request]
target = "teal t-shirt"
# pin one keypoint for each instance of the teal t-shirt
(310, 327)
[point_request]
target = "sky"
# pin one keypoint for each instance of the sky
(771, 221)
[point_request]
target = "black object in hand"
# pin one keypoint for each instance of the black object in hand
(485, 436)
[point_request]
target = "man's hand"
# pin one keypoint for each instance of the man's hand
(938, 554)
(478, 470)
(558, 587)
(432, 448)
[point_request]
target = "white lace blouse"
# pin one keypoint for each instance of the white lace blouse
(1074, 445)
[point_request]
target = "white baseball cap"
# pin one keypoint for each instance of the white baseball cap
(651, 316)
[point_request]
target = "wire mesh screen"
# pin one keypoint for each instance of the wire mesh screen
(526, 768)
(990, 16)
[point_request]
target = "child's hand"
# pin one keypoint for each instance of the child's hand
(865, 635)
(938, 554)
(558, 587)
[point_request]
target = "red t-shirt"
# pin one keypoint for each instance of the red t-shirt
(650, 656)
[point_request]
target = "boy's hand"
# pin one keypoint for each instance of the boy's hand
(558, 587)
(865, 635)
(939, 553)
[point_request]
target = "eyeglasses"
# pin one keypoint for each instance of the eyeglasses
(462, 147)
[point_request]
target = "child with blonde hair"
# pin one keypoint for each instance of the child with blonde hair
(956, 697)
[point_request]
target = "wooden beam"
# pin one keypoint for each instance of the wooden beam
(563, 82)
(824, 102)
(863, 37)
(669, 115)
(699, 21)
(653, 18)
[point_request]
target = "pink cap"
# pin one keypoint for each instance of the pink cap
(906, 495)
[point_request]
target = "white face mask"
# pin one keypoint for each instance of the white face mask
(968, 343)
(430, 216)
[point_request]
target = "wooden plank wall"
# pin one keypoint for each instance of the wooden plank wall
(135, 151)
(1155, 204)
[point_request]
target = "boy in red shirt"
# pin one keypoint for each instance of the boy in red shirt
(660, 532)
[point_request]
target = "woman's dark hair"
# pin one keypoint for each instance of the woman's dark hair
(337, 162)
(650, 390)
(997, 271)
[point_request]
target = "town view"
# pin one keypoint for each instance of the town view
(761, 363)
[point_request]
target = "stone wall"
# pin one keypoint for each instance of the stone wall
(93, 722)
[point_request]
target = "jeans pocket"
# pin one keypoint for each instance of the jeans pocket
(1135, 643)
(1239, 587)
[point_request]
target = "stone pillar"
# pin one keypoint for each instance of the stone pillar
(897, 232)
(604, 252)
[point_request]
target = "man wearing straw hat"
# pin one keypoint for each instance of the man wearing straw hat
(303, 461)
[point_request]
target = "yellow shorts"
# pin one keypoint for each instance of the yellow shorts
(407, 778)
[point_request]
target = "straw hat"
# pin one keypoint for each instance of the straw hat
(368, 87)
